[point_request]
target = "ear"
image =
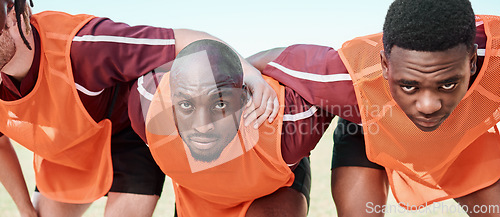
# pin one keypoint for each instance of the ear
(385, 64)
(473, 61)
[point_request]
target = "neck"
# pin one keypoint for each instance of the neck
(20, 63)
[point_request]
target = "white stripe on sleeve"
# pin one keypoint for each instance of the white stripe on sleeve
(143, 90)
(125, 40)
(310, 76)
(481, 52)
(300, 116)
(86, 91)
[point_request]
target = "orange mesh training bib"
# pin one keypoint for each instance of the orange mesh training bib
(251, 166)
(72, 152)
(458, 158)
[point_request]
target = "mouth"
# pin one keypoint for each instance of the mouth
(428, 124)
(203, 142)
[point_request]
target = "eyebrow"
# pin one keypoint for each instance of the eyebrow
(220, 93)
(451, 80)
(214, 94)
(408, 82)
(183, 95)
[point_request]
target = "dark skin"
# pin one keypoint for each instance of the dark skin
(359, 191)
(428, 86)
(207, 115)
(207, 124)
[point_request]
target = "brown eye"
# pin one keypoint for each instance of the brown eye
(449, 86)
(185, 105)
(220, 105)
(408, 89)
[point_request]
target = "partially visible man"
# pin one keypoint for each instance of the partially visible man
(438, 71)
(64, 89)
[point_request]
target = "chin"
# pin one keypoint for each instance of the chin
(427, 126)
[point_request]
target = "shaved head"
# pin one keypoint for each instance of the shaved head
(224, 63)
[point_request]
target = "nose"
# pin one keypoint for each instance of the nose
(428, 103)
(204, 122)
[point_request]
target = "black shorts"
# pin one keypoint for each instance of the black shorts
(134, 169)
(302, 182)
(349, 146)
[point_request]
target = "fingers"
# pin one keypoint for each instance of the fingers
(250, 115)
(259, 96)
(248, 109)
(276, 109)
(257, 105)
(258, 116)
(263, 105)
(268, 109)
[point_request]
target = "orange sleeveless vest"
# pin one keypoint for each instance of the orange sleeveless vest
(251, 166)
(458, 158)
(72, 152)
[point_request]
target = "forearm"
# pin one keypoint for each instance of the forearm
(261, 59)
(12, 178)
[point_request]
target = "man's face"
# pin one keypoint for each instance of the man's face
(428, 85)
(207, 116)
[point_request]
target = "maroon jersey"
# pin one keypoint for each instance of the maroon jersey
(104, 55)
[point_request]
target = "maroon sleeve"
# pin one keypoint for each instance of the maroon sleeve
(318, 75)
(105, 52)
(139, 102)
(317, 87)
(135, 112)
(303, 127)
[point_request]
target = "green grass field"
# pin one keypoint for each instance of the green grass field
(321, 200)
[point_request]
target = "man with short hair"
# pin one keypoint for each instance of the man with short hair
(429, 103)
(64, 86)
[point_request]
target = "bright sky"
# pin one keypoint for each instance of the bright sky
(253, 25)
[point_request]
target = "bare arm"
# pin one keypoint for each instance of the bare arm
(12, 178)
(261, 59)
(264, 104)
